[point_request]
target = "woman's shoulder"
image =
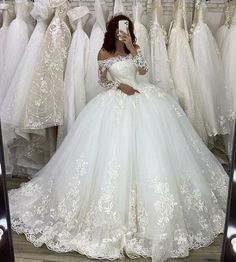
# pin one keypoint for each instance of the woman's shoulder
(103, 54)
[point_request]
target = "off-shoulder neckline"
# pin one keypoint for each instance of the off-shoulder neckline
(114, 57)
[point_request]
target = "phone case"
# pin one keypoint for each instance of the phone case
(123, 26)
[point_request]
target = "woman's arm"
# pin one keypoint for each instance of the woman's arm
(140, 62)
(135, 51)
(105, 82)
(102, 72)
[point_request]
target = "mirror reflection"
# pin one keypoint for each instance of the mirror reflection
(117, 122)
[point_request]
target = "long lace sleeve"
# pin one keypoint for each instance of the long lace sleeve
(102, 76)
(140, 62)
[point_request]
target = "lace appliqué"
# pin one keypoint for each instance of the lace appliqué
(140, 62)
(103, 66)
(45, 100)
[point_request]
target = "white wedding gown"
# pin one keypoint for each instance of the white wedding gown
(13, 106)
(160, 64)
(183, 69)
(142, 36)
(17, 39)
(96, 41)
(131, 177)
(229, 61)
(7, 16)
(76, 69)
(210, 72)
(223, 30)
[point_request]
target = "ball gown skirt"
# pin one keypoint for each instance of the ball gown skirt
(132, 177)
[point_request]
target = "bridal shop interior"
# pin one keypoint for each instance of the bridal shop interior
(89, 171)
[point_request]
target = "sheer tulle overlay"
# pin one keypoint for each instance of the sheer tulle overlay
(131, 177)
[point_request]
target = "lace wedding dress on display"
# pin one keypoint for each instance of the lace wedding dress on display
(44, 104)
(7, 12)
(223, 30)
(183, 69)
(96, 41)
(160, 64)
(229, 61)
(131, 177)
(209, 67)
(13, 107)
(141, 33)
(16, 42)
(76, 69)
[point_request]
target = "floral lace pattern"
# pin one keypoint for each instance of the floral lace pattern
(132, 177)
(45, 100)
(140, 62)
(104, 65)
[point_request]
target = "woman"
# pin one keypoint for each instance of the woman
(131, 177)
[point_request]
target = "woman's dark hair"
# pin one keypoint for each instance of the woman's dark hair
(110, 35)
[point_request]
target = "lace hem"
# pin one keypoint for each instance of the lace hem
(134, 247)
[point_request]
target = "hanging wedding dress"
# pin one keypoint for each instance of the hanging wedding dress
(13, 107)
(17, 39)
(210, 72)
(131, 177)
(7, 16)
(141, 33)
(76, 69)
(96, 41)
(224, 29)
(44, 104)
(160, 64)
(229, 61)
(183, 69)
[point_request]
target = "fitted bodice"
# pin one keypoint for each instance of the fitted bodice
(22, 9)
(138, 12)
(156, 13)
(7, 13)
(78, 17)
(199, 13)
(101, 13)
(41, 12)
(178, 16)
(122, 69)
(234, 18)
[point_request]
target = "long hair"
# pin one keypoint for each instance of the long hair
(110, 35)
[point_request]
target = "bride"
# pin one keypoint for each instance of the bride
(132, 177)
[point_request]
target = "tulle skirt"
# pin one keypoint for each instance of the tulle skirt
(211, 85)
(131, 177)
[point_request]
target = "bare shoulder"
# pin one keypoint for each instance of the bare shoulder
(103, 54)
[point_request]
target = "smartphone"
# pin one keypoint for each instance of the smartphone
(123, 25)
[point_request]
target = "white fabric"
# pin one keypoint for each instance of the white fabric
(183, 69)
(16, 97)
(13, 107)
(160, 64)
(142, 36)
(223, 30)
(132, 176)
(96, 41)
(7, 15)
(211, 85)
(221, 35)
(118, 7)
(76, 69)
(229, 61)
(17, 39)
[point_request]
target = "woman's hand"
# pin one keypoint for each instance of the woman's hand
(127, 40)
(128, 90)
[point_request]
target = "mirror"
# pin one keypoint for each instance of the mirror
(6, 245)
(125, 157)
